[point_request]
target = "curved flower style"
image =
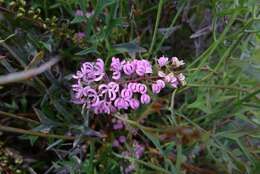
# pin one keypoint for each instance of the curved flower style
(99, 70)
(109, 90)
(90, 72)
(145, 99)
(133, 87)
(92, 98)
(129, 68)
(142, 89)
(143, 67)
(121, 103)
(176, 62)
(116, 64)
(126, 93)
(116, 75)
(170, 78)
(158, 86)
(103, 107)
(126, 88)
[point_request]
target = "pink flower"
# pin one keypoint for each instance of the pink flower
(122, 139)
(134, 103)
(161, 74)
(121, 103)
(134, 87)
(181, 78)
(78, 94)
(141, 88)
(78, 75)
(145, 99)
(80, 36)
(160, 83)
(99, 70)
(79, 13)
(115, 64)
(91, 97)
(115, 143)
(103, 107)
(95, 90)
(116, 75)
(156, 88)
(118, 125)
(162, 61)
(128, 68)
(140, 70)
(126, 93)
(143, 67)
(147, 65)
(176, 62)
(109, 90)
(129, 169)
(138, 149)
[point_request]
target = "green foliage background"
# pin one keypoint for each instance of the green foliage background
(219, 41)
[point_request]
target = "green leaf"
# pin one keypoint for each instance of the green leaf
(102, 4)
(44, 119)
(87, 51)
(130, 48)
(78, 19)
(199, 104)
(256, 168)
(31, 138)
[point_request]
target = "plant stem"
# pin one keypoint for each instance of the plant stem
(218, 86)
(173, 115)
(205, 55)
(27, 74)
(172, 23)
(156, 26)
(18, 117)
(178, 159)
(34, 133)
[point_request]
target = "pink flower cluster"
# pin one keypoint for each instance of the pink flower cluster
(125, 86)
(137, 152)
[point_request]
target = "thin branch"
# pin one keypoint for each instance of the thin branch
(25, 75)
(34, 133)
(218, 86)
(18, 117)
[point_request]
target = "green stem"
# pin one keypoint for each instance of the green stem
(179, 159)
(229, 108)
(150, 165)
(18, 117)
(156, 26)
(133, 123)
(218, 86)
(204, 56)
(172, 108)
(172, 23)
(34, 133)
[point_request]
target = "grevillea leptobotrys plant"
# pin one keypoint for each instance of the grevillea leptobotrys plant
(126, 85)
